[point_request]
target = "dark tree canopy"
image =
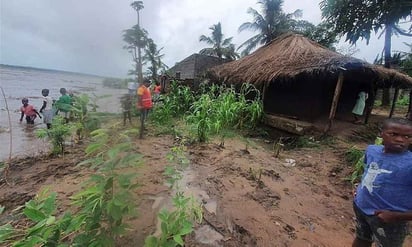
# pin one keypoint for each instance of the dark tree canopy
(358, 18)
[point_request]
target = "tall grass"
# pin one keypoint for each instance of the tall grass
(224, 108)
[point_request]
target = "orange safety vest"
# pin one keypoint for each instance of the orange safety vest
(146, 98)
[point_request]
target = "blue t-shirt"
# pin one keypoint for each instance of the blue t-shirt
(386, 182)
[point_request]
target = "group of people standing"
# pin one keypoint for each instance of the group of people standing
(49, 108)
(144, 102)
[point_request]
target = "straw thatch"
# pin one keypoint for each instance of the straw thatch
(292, 55)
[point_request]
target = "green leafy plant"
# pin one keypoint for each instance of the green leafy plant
(85, 120)
(102, 206)
(221, 108)
(45, 228)
(107, 200)
(355, 156)
(57, 134)
(403, 100)
(175, 104)
(177, 223)
(202, 117)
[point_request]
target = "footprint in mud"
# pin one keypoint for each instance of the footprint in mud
(243, 236)
(290, 230)
(272, 174)
(264, 196)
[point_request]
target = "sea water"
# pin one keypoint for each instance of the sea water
(22, 82)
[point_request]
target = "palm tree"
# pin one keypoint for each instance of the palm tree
(221, 47)
(270, 23)
(154, 57)
(136, 39)
(138, 5)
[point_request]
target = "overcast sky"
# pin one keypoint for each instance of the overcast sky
(86, 36)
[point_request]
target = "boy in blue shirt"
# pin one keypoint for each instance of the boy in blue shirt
(383, 201)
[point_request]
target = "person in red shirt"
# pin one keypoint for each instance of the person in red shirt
(144, 103)
(157, 89)
(28, 110)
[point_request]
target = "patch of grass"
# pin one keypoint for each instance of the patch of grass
(353, 154)
(355, 157)
(366, 134)
(300, 142)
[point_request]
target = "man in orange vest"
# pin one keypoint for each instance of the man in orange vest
(144, 103)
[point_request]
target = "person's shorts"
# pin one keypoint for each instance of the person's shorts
(371, 228)
(64, 114)
(48, 116)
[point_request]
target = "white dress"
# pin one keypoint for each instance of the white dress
(360, 104)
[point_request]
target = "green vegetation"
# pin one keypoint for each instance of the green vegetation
(107, 200)
(356, 157)
(45, 228)
(221, 47)
(174, 105)
(103, 205)
(223, 108)
(57, 134)
(403, 100)
(216, 110)
(83, 121)
(271, 22)
(177, 223)
(83, 118)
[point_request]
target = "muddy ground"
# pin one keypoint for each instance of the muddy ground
(249, 197)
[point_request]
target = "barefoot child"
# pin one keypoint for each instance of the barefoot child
(126, 103)
(383, 201)
(29, 111)
(47, 108)
(64, 104)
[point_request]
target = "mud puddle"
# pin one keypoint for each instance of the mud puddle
(204, 234)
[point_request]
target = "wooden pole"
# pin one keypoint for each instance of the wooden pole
(395, 98)
(334, 106)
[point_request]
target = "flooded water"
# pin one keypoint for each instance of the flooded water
(18, 83)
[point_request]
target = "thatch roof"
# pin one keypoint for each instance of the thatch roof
(291, 55)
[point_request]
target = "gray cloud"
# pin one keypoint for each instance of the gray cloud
(86, 36)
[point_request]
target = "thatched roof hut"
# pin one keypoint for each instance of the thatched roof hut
(299, 78)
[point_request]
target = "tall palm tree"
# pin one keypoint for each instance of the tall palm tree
(270, 23)
(154, 57)
(221, 47)
(138, 5)
(136, 39)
